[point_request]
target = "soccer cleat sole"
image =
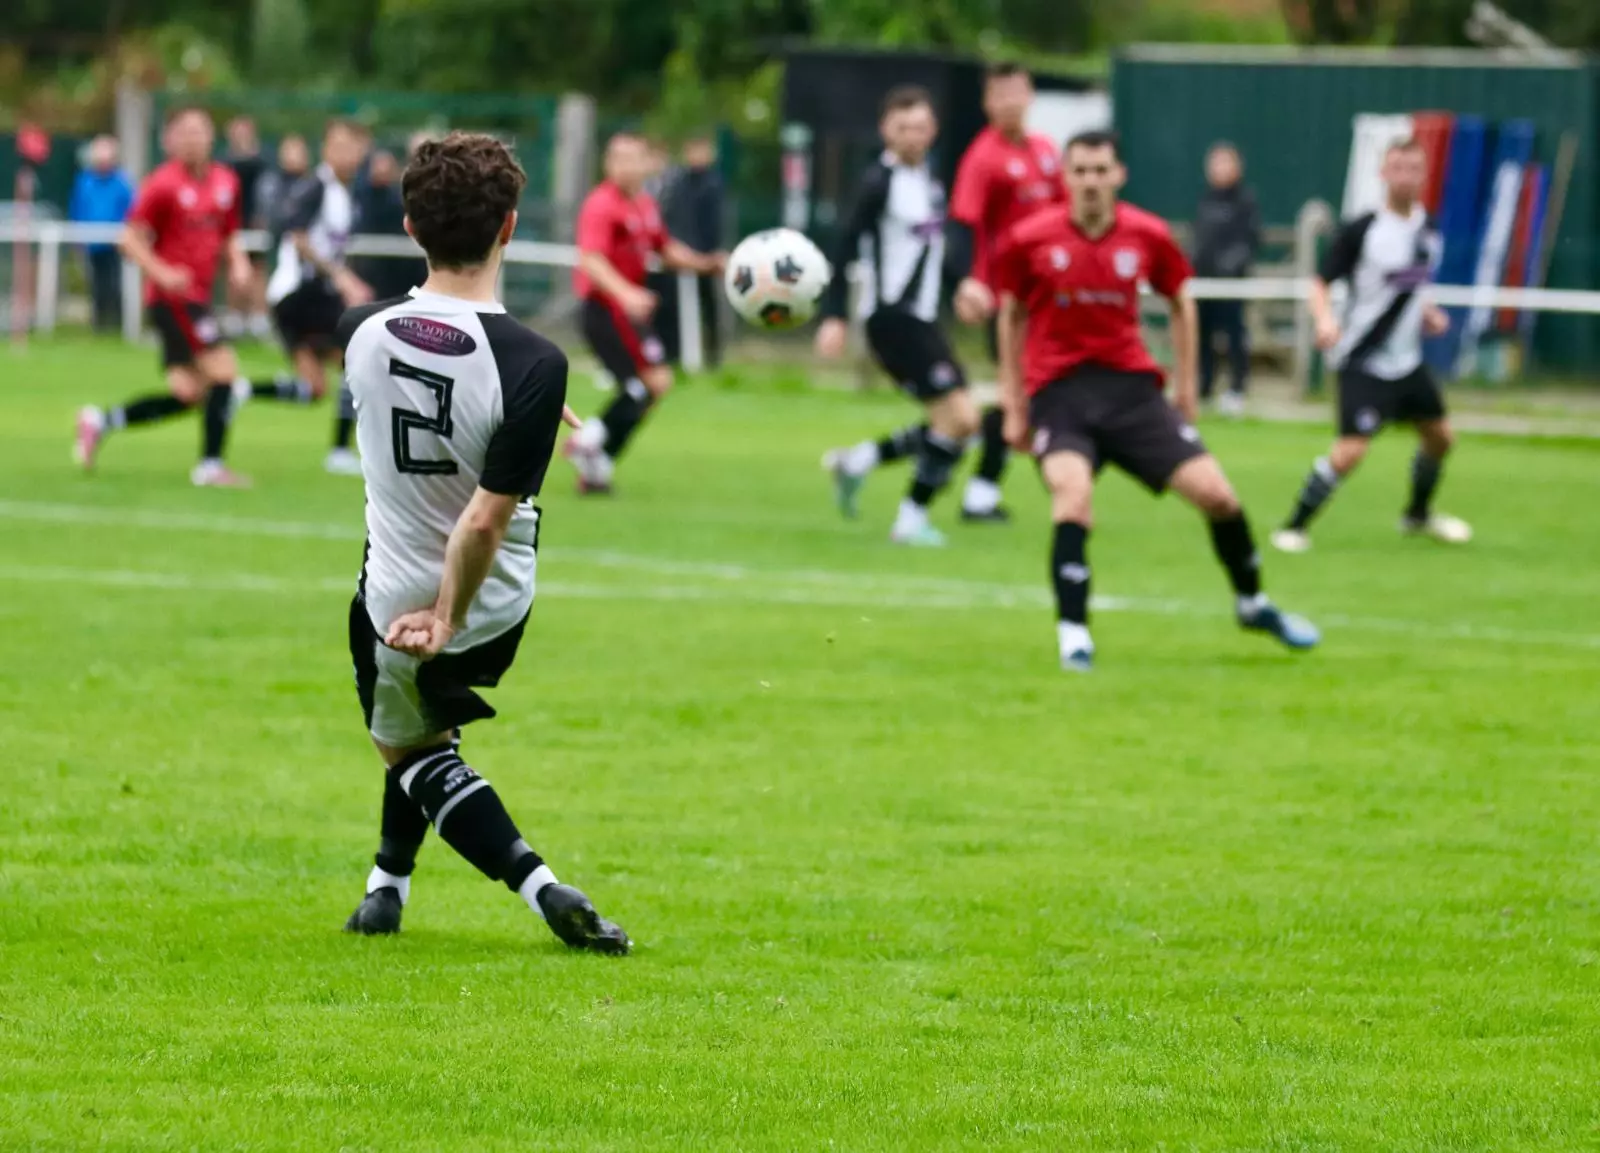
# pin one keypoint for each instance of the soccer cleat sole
(574, 921)
(997, 515)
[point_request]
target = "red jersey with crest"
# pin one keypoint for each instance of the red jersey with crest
(999, 183)
(625, 230)
(1082, 294)
(191, 218)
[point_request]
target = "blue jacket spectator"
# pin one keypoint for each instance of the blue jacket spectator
(102, 193)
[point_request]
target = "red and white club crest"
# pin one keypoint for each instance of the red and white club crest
(1126, 263)
(223, 195)
(1059, 259)
(1016, 168)
(187, 197)
(1047, 162)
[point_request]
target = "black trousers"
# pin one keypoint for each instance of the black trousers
(1224, 318)
(105, 288)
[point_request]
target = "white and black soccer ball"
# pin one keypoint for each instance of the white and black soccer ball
(775, 278)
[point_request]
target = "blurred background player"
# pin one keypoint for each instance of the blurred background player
(379, 212)
(247, 311)
(184, 223)
(895, 228)
(1082, 391)
(102, 194)
(452, 465)
(1005, 174)
(1227, 236)
(1387, 258)
(272, 191)
(311, 286)
(619, 230)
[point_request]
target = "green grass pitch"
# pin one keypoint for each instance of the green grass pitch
(895, 881)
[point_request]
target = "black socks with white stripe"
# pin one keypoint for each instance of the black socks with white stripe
(1319, 486)
(438, 787)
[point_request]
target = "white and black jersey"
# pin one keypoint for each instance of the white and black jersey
(450, 395)
(1388, 260)
(895, 231)
(321, 207)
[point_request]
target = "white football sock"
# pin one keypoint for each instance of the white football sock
(910, 519)
(1250, 606)
(378, 879)
(592, 436)
(538, 879)
(860, 459)
(1073, 637)
(982, 496)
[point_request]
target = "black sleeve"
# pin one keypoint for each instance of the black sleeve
(1253, 219)
(1345, 251)
(866, 209)
(533, 382)
(302, 204)
(958, 247)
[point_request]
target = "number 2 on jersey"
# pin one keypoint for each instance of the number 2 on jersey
(407, 421)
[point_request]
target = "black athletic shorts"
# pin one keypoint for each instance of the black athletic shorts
(1117, 418)
(186, 330)
(915, 354)
(1367, 402)
(405, 700)
(623, 348)
(309, 317)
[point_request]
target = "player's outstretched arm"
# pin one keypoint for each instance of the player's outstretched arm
(136, 244)
(468, 556)
(637, 302)
(676, 254)
(1009, 335)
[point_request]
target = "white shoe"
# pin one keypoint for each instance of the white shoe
(1291, 540)
(1447, 529)
(342, 462)
(215, 474)
(1230, 404)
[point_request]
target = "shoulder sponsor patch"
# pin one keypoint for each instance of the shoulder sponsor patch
(433, 336)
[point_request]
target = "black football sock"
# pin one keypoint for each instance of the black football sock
(992, 464)
(935, 463)
(401, 833)
(344, 425)
(214, 425)
(1425, 471)
(284, 387)
(1236, 549)
(145, 410)
(1319, 486)
(901, 443)
(624, 415)
(1069, 572)
(467, 812)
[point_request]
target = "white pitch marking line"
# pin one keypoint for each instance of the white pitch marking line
(875, 590)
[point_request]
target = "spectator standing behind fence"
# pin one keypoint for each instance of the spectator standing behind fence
(102, 194)
(272, 190)
(693, 213)
(1227, 236)
(247, 307)
(379, 212)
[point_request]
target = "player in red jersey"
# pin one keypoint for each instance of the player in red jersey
(183, 223)
(619, 229)
(1006, 174)
(1081, 390)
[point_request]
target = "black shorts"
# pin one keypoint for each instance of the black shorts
(623, 348)
(1117, 418)
(186, 331)
(405, 700)
(309, 317)
(915, 354)
(1367, 402)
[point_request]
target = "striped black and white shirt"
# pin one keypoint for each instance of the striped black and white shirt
(322, 208)
(895, 230)
(1388, 260)
(450, 395)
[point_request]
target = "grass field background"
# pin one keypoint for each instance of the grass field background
(895, 881)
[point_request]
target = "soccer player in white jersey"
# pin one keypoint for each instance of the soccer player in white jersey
(311, 286)
(1388, 258)
(457, 409)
